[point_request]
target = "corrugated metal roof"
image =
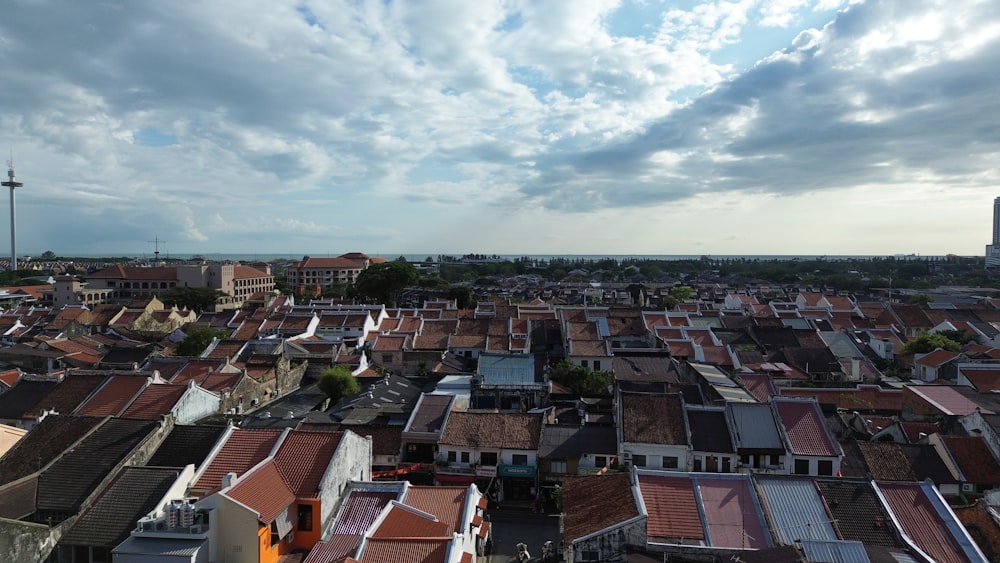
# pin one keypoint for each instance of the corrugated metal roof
(753, 426)
(161, 547)
(822, 551)
(919, 519)
(796, 510)
(516, 370)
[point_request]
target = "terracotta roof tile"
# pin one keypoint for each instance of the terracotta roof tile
(243, 449)
(586, 507)
(671, 506)
(411, 550)
(974, 458)
(447, 504)
(114, 396)
(263, 490)
(805, 428)
(303, 458)
(155, 401)
(886, 461)
(405, 522)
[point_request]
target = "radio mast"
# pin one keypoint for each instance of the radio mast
(11, 183)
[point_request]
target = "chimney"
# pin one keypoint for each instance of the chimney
(228, 480)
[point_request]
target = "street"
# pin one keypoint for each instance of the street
(510, 527)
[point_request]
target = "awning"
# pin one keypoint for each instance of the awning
(284, 522)
(457, 479)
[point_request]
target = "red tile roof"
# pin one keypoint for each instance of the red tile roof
(263, 490)
(410, 550)
(936, 358)
(445, 503)
(974, 458)
(805, 428)
(155, 401)
(243, 449)
(403, 521)
(303, 459)
(586, 506)
(671, 506)
(113, 397)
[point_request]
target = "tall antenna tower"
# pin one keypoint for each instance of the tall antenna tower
(156, 249)
(11, 183)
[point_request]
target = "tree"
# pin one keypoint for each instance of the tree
(920, 299)
(581, 380)
(196, 299)
(928, 342)
(48, 256)
(337, 383)
(681, 292)
(462, 296)
(383, 282)
(197, 340)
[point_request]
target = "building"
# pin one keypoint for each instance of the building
(328, 272)
(122, 284)
(993, 250)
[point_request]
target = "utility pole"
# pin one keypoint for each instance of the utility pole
(11, 183)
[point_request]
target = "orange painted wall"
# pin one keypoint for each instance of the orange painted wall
(307, 539)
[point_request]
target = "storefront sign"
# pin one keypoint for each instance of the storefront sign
(517, 471)
(486, 471)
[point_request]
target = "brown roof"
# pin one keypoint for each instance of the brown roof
(586, 505)
(886, 461)
(114, 396)
(653, 419)
(974, 459)
(516, 431)
(264, 491)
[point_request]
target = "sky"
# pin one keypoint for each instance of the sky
(798, 127)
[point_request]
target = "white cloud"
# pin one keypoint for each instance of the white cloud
(289, 126)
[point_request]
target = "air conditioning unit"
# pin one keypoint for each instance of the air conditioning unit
(968, 488)
(627, 456)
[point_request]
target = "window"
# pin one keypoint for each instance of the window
(824, 467)
(520, 459)
(557, 467)
(597, 365)
(583, 363)
(386, 358)
(452, 457)
(488, 458)
(638, 460)
(775, 460)
(727, 465)
(669, 462)
(600, 461)
(697, 463)
(465, 457)
(802, 467)
(305, 517)
(590, 556)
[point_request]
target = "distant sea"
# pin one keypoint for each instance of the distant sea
(585, 257)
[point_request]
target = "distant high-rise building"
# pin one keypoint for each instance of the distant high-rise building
(993, 249)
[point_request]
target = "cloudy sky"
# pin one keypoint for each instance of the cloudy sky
(510, 127)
